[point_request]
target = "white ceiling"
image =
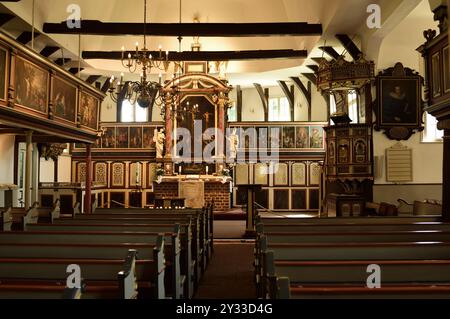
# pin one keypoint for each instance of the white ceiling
(336, 16)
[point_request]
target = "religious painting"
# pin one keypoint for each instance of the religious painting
(288, 137)
(147, 139)
(31, 86)
(135, 137)
(3, 74)
(109, 138)
(64, 96)
(122, 137)
(302, 137)
(88, 110)
(344, 151)
(275, 137)
(263, 137)
(399, 102)
(316, 137)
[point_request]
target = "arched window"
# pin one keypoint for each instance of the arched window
(133, 112)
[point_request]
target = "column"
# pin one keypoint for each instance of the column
(168, 125)
(446, 177)
(221, 123)
(35, 175)
(88, 183)
(28, 168)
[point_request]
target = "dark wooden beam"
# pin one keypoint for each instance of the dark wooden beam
(92, 78)
(49, 50)
(75, 70)
(98, 85)
(5, 18)
(311, 77)
(350, 46)
(289, 93)
(26, 36)
(330, 51)
(263, 94)
(95, 27)
(62, 61)
(319, 60)
(206, 55)
(314, 68)
(239, 103)
(106, 86)
(307, 92)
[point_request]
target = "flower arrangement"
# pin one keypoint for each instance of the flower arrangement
(226, 172)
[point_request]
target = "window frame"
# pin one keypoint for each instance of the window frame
(279, 98)
(134, 107)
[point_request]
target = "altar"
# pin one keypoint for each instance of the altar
(197, 191)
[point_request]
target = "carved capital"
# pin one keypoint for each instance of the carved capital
(51, 151)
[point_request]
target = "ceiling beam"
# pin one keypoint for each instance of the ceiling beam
(62, 62)
(106, 86)
(307, 92)
(92, 78)
(314, 68)
(75, 70)
(49, 50)
(95, 27)
(206, 55)
(311, 77)
(26, 36)
(350, 46)
(289, 93)
(319, 60)
(264, 95)
(330, 51)
(5, 18)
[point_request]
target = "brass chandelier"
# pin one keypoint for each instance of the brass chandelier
(144, 92)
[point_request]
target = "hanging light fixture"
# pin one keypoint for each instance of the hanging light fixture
(144, 92)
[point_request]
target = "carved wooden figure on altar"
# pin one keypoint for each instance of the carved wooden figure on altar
(158, 138)
(233, 144)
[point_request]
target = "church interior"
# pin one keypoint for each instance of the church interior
(195, 149)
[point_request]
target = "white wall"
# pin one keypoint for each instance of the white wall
(6, 162)
(400, 46)
(252, 109)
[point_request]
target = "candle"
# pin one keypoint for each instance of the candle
(179, 169)
(160, 78)
(137, 46)
(207, 169)
(121, 77)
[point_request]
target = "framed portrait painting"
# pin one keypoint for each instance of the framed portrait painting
(399, 102)
(31, 87)
(64, 97)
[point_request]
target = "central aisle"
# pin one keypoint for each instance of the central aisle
(230, 272)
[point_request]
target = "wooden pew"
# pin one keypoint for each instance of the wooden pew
(200, 217)
(175, 282)
(347, 220)
(192, 258)
(48, 214)
(20, 217)
(104, 278)
(335, 274)
(287, 291)
(182, 280)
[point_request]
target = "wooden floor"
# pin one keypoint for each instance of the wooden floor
(230, 273)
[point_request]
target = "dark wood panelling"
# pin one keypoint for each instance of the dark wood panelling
(281, 199)
(299, 199)
(313, 199)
